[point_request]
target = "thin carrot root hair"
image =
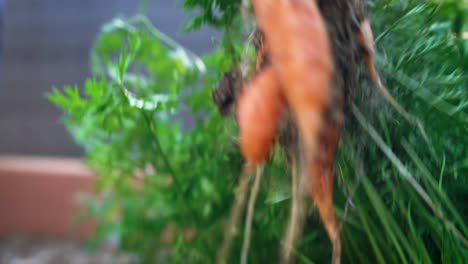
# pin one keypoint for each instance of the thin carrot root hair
(236, 210)
(250, 211)
(376, 79)
(297, 215)
(366, 39)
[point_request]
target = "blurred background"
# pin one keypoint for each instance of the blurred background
(153, 194)
(45, 43)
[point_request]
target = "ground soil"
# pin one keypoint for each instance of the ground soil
(28, 250)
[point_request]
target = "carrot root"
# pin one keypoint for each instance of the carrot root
(258, 112)
(366, 40)
(297, 215)
(250, 212)
(237, 208)
(322, 183)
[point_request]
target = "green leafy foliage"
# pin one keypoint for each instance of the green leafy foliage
(409, 205)
(168, 163)
(218, 13)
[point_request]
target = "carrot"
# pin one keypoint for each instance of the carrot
(300, 53)
(258, 113)
(322, 187)
(366, 41)
(365, 37)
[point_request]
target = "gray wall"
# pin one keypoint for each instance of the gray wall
(46, 43)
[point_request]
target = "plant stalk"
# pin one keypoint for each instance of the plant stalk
(168, 165)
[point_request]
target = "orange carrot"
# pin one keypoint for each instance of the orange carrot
(301, 71)
(258, 113)
(300, 53)
(322, 187)
(365, 39)
(301, 56)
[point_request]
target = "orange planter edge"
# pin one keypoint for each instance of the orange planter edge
(37, 196)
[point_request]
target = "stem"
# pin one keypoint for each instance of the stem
(168, 165)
